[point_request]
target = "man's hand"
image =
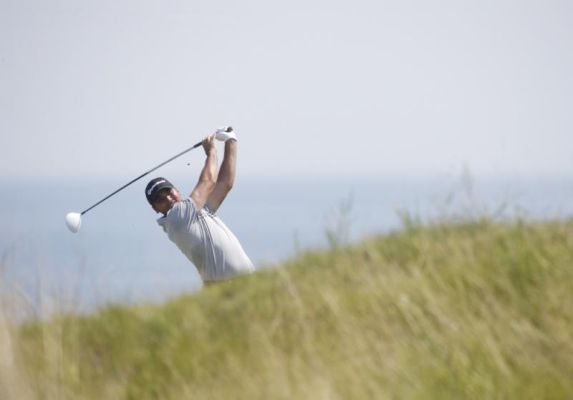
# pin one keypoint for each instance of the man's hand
(209, 144)
(225, 133)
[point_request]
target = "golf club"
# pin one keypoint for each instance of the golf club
(74, 219)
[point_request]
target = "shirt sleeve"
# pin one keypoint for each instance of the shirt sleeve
(206, 208)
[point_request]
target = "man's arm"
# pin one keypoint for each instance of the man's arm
(226, 177)
(208, 176)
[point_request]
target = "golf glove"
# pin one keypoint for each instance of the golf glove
(225, 133)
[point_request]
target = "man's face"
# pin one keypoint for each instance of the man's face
(165, 199)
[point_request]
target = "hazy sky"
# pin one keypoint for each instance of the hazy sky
(321, 88)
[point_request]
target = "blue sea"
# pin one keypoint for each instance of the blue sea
(122, 255)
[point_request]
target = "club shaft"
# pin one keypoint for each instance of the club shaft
(142, 175)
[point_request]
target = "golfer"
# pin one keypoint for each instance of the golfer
(192, 223)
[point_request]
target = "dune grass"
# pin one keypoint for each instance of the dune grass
(450, 310)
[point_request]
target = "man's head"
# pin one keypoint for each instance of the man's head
(161, 194)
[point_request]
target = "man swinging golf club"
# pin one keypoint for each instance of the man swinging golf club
(192, 224)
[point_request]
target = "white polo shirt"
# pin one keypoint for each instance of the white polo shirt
(206, 241)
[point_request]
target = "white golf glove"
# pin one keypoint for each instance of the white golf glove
(225, 133)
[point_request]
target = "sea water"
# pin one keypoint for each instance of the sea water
(122, 255)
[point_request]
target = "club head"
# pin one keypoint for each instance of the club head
(74, 221)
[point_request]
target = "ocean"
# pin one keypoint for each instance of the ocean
(121, 255)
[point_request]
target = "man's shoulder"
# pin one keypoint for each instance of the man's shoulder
(184, 208)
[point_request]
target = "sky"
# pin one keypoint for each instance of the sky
(101, 89)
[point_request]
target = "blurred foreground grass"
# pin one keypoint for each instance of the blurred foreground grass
(473, 310)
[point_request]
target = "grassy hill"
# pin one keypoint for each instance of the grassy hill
(474, 310)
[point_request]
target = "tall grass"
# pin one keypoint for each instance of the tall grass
(451, 310)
